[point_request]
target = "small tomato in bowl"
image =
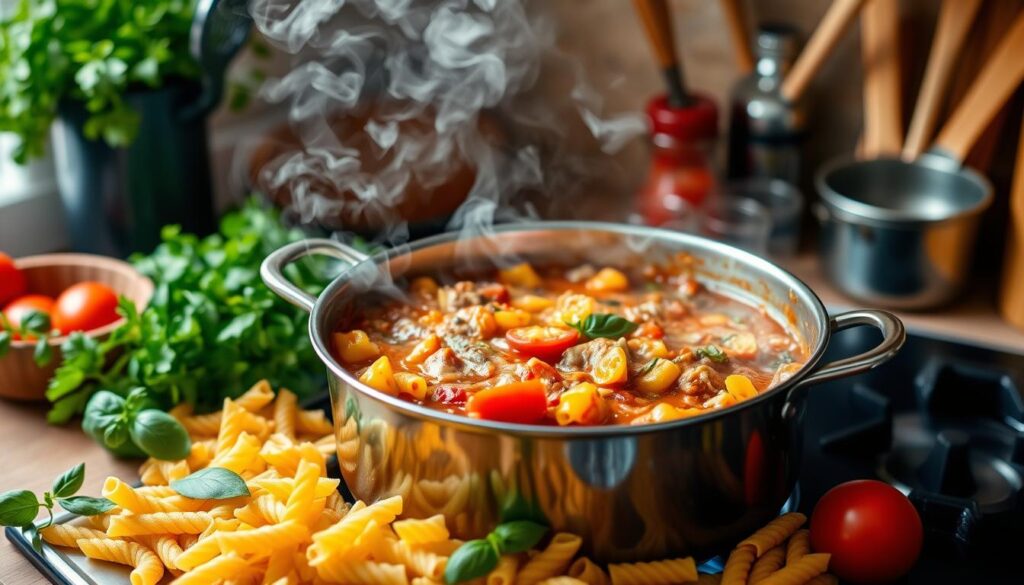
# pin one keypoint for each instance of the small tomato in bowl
(20, 308)
(85, 306)
(13, 283)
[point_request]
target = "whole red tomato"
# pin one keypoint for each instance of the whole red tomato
(872, 531)
(85, 306)
(12, 280)
(20, 308)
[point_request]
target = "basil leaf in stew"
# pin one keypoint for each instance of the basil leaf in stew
(712, 352)
(604, 325)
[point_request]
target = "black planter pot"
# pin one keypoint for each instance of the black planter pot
(117, 199)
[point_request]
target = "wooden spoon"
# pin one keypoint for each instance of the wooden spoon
(736, 18)
(994, 84)
(819, 47)
(883, 121)
(955, 19)
(658, 24)
(1011, 295)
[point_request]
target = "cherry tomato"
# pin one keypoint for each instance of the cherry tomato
(12, 280)
(85, 306)
(540, 341)
(518, 402)
(22, 306)
(872, 531)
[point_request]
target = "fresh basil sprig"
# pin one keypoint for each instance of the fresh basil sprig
(712, 352)
(604, 325)
(133, 427)
(20, 507)
(476, 558)
(211, 483)
(34, 325)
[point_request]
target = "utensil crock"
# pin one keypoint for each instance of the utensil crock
(693, 486)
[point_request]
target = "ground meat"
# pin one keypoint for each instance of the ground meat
(469, 294)
(700, 381)
(405, 330)
(474, 322)
(475, 356)
(442, 365)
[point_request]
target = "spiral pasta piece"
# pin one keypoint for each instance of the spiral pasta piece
(68, 534)
(806, 568)
(551, 561)
(413, 531)
(505, 572)
(214, 570)
(563, 580)
(314, 422)
(769, 562)
(285, 413)
(798, 546)
(147, 568)
(774, 533)
(666, 572)
(737, 566)
(363, 573)
(585, 570)
(265, 538)
(160, 523)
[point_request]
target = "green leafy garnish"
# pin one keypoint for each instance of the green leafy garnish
(34, 325)
(648, 366)
(518, 536)
(85, 505)
(211, 324)
(211, 483)
(160, 435)
(91, 52)
(132, 427)
(20, 507)
(604, 325)
(476, 558)
(712, 352)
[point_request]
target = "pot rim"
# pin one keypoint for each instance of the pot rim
(854, 211)
(797, 286)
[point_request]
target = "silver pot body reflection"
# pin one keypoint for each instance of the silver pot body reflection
(687, 487)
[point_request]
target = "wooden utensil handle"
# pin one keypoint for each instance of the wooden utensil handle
(883, 119)
(991, 88)
(658, 23)
(736, 19)
(1011, 295)
(955, 19)
(820, 45)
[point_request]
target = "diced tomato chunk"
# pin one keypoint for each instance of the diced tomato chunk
(519, 402)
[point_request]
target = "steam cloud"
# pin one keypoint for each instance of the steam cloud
(436, 86)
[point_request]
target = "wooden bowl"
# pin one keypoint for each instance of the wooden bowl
(50, 274)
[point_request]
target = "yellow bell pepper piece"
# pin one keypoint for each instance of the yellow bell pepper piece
(355, 346)
(379, 376)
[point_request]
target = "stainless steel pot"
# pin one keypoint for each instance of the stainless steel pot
(693, 486)
(900, 234)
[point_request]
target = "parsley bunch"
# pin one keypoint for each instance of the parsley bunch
(91, 51)
(211, 331)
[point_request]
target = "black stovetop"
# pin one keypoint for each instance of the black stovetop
(944, 422)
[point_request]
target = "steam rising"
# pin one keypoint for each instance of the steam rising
(437, 87)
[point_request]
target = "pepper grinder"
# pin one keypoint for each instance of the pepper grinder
(765, 131)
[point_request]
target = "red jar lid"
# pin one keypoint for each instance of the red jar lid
(697, 121)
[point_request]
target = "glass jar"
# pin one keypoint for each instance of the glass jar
(681, 175)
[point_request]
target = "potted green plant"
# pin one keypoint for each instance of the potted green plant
(118, 86)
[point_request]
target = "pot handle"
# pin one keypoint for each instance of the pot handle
(893, 336)
(272, 269)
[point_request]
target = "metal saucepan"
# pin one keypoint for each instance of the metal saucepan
(901, 233)
(693, 486)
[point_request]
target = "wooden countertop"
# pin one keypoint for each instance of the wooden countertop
(33, 452)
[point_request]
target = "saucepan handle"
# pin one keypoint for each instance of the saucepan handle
(272, 269)
(893, 336)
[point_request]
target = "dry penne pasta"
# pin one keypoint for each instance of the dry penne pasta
(803, 570)
(769, 562)
(799, 545)
(654, 573)
(737, 566)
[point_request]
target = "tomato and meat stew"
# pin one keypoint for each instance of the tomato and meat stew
(580, 346)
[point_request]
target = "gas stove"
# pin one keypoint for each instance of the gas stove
(944, 423)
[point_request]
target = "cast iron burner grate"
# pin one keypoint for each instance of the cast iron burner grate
(944, 423)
